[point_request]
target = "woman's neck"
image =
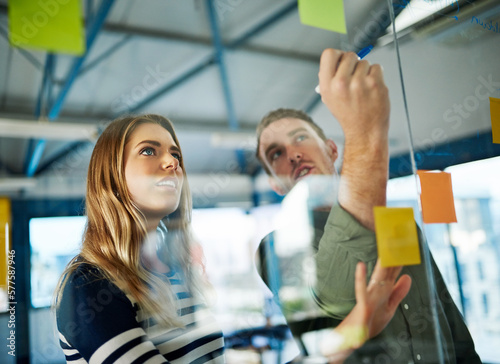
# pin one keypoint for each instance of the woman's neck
(150, 255)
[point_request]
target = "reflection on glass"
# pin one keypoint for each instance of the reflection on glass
(54, 242)
(248, 315)
(467, 252)
(227, 249)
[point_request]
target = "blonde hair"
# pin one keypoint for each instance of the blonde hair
(116, 228)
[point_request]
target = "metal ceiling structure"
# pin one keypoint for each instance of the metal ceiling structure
(215, 67)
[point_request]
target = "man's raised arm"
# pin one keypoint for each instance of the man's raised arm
(355, 93)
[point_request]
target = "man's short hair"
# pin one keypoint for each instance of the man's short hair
(279, 114)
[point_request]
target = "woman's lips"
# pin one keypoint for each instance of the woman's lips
(168, 182)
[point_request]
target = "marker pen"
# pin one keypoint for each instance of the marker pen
(361, 54)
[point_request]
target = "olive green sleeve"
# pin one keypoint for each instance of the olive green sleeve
(344, 243)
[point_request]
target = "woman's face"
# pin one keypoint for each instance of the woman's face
(152, 171)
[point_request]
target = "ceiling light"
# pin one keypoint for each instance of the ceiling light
(16, 184)
(14, 128)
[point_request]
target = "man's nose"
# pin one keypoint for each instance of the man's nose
(294, 156)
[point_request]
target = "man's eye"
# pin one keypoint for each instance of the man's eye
(301, 138)
(148, 151)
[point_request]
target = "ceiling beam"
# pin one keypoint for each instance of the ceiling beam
(127, 32)
(260, 27)
(466, 149)
(221, 63)
(92, 32)
(132, 31)
(43, 102)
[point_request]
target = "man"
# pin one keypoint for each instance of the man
(291, 147)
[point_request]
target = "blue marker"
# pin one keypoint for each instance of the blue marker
(364, 52)
(361, 54)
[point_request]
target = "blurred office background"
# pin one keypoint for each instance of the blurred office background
(215, 67)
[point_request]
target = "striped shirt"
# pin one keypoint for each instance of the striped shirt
(99, 323)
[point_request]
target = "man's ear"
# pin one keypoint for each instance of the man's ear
(332, 149)
(276, 186)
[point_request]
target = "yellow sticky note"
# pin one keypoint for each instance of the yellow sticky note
(397, 241)
(495, 119)
(52, 25)
(325, 14)
(4, 239)
(438, 204)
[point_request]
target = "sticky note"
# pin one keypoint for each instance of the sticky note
(495, 119)
(396, 232)
(52, 25)
(324, 14)
(5, 218)
(436, 196)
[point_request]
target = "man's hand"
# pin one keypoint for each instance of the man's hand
(377, 301)
(375, 307)
(355, 93)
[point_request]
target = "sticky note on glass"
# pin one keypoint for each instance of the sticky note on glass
(495, 119)
(4, 239)
(324, 14)
(54, 26)
(397, 241)
(438, 205)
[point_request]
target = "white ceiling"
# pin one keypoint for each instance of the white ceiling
(161, 40)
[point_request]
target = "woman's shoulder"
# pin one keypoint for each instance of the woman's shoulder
(88, 280)
(85, 273)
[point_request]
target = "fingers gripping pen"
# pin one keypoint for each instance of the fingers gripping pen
(361, 54)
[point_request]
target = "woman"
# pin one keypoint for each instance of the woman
(131, 295)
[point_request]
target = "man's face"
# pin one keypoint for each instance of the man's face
(292, 150)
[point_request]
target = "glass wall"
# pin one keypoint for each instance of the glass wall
(273, 271)
(438, 65)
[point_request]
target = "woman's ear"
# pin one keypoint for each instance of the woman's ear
(276, 186)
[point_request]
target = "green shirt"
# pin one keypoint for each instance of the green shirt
(410, 336)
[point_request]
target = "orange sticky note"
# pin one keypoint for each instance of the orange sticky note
(54, 26)
(324, 14)
(495, 119)
(438, 205)
(397, 240)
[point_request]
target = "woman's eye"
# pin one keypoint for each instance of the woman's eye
(177, 156)
(148, 151)
(275, 155)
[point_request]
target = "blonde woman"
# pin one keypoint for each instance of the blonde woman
(131, 295)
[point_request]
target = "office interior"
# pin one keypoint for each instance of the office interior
(215, 68)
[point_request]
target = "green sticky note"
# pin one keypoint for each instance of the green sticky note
(52, 25)
(324, 14)
(495, 119)
(396, 232)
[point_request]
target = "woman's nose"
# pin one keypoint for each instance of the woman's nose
(170, 162)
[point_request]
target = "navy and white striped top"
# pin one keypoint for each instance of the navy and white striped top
(98, 323)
